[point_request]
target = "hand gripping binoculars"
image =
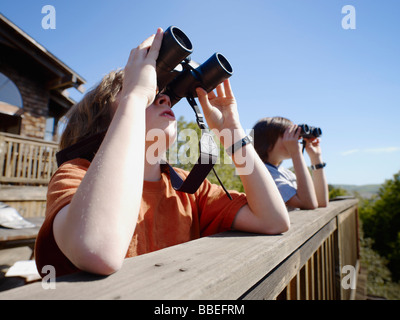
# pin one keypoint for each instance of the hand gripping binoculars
(178, 76)
(309, 132)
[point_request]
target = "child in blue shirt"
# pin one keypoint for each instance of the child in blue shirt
(277, 139)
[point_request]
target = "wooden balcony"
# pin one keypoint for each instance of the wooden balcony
(25, 160)
(26, 166)
(311, 262)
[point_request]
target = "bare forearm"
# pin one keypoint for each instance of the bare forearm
(305, 186)
(320, 183)
(102, 216)
(263, 197)
(265, 211)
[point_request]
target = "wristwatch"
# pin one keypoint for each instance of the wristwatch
(240, 144)
(318, 166)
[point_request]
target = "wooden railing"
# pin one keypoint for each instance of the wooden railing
(26, 160)
(30, 202)
(310, 261)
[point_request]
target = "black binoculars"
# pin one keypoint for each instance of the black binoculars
(178, 76)
(309, 132)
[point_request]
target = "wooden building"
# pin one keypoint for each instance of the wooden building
(33, 98)
(33, 85)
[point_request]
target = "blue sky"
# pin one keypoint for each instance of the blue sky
(291, 58)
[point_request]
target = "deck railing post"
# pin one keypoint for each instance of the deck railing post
(337, 275)
(3, 148)
(348, 252)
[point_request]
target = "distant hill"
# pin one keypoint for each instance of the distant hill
(366, 191)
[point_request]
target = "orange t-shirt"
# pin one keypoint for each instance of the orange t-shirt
(167, 217)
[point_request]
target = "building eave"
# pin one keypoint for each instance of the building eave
(64, 76)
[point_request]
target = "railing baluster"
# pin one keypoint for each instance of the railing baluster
(26, 160)
(7, 170)
(310, 267)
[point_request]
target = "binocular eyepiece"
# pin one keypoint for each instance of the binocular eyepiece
(178, 76)
(309, 132)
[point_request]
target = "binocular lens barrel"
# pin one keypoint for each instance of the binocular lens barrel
(175, 47)
(309, 132)
(181, 38)
(182, 82)
(305, 129)
(208, 75)
(316, 132)
(214, 71)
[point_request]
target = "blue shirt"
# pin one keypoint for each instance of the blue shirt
(285, 181)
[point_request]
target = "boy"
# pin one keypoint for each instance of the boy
(277, 139)
(120, 204)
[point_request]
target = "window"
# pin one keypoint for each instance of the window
(50, 129)
(9, 92)
(10, 106)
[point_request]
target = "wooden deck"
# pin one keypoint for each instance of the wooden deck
(304, 263)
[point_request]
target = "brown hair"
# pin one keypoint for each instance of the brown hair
(266, 133)
(93, 113)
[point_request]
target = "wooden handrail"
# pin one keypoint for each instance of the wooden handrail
(304, 263)
(26, 160)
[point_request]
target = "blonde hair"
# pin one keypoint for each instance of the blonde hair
(93, 113)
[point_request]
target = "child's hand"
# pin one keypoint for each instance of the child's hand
(290, 139)
(313, 148)
(140, 76)
(220, 110)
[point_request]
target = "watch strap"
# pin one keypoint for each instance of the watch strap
(238, 145)
(318, 166)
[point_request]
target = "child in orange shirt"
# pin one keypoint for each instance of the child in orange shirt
(121, 204)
